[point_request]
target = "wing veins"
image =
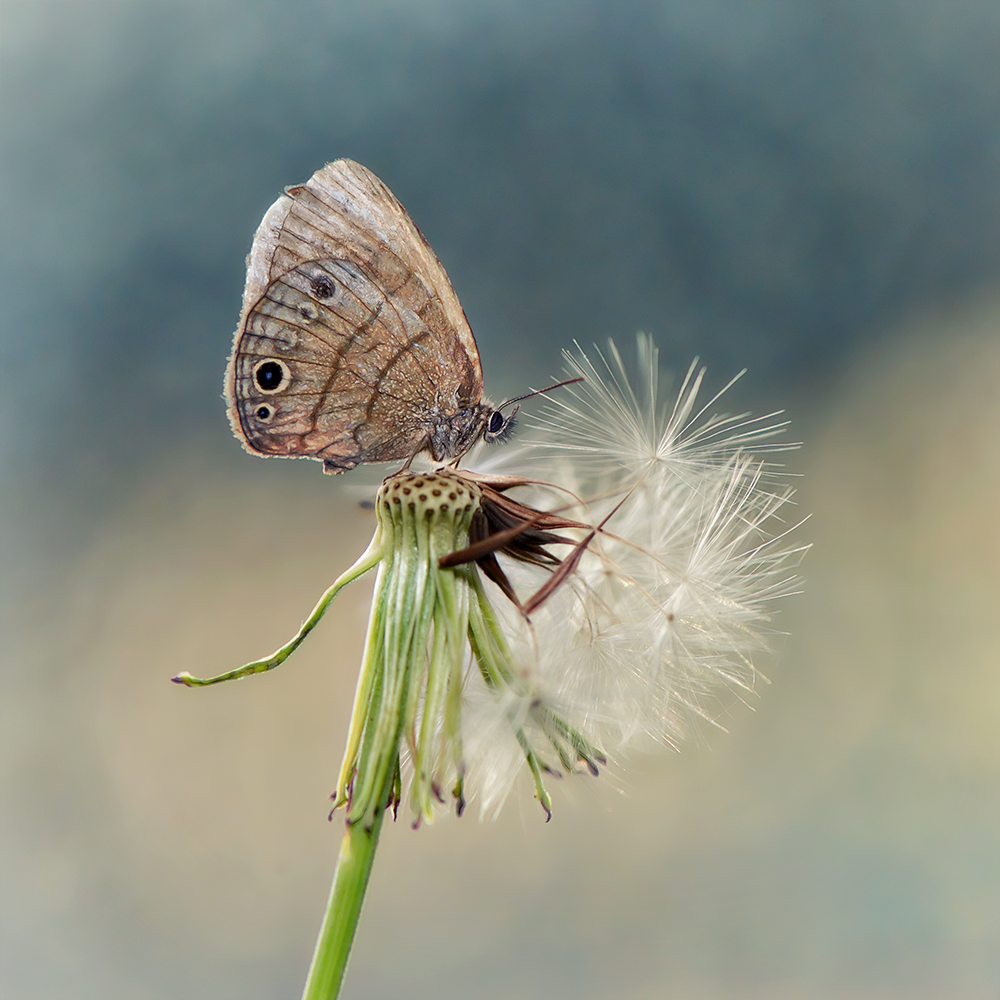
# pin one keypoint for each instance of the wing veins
(403, 341)
(358, 331)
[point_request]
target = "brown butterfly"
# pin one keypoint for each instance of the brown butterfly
(352, 346)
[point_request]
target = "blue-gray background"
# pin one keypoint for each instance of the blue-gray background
(808, 190)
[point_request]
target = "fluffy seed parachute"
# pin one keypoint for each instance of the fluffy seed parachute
(674, 594)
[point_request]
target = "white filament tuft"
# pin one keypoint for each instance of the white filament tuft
(673, 597)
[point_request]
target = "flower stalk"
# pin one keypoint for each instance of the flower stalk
(343, 908)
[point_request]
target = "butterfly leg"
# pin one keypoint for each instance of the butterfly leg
(426, 446)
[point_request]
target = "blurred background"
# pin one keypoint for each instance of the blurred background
(808, 190)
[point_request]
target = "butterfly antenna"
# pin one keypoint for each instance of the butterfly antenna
(538, 392)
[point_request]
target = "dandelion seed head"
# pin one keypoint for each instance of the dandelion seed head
(672, 598)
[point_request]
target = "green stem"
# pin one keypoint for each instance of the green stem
(350, 882)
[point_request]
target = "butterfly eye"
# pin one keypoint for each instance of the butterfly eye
(322, 287)
(498, 427)
(271, 376)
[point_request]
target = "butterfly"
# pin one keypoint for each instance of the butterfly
(352, 346)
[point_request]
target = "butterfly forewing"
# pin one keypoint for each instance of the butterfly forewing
(352, 346)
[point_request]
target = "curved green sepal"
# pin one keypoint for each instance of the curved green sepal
(369, 558)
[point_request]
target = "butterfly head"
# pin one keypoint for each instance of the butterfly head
(452, 435)
(497, 426)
